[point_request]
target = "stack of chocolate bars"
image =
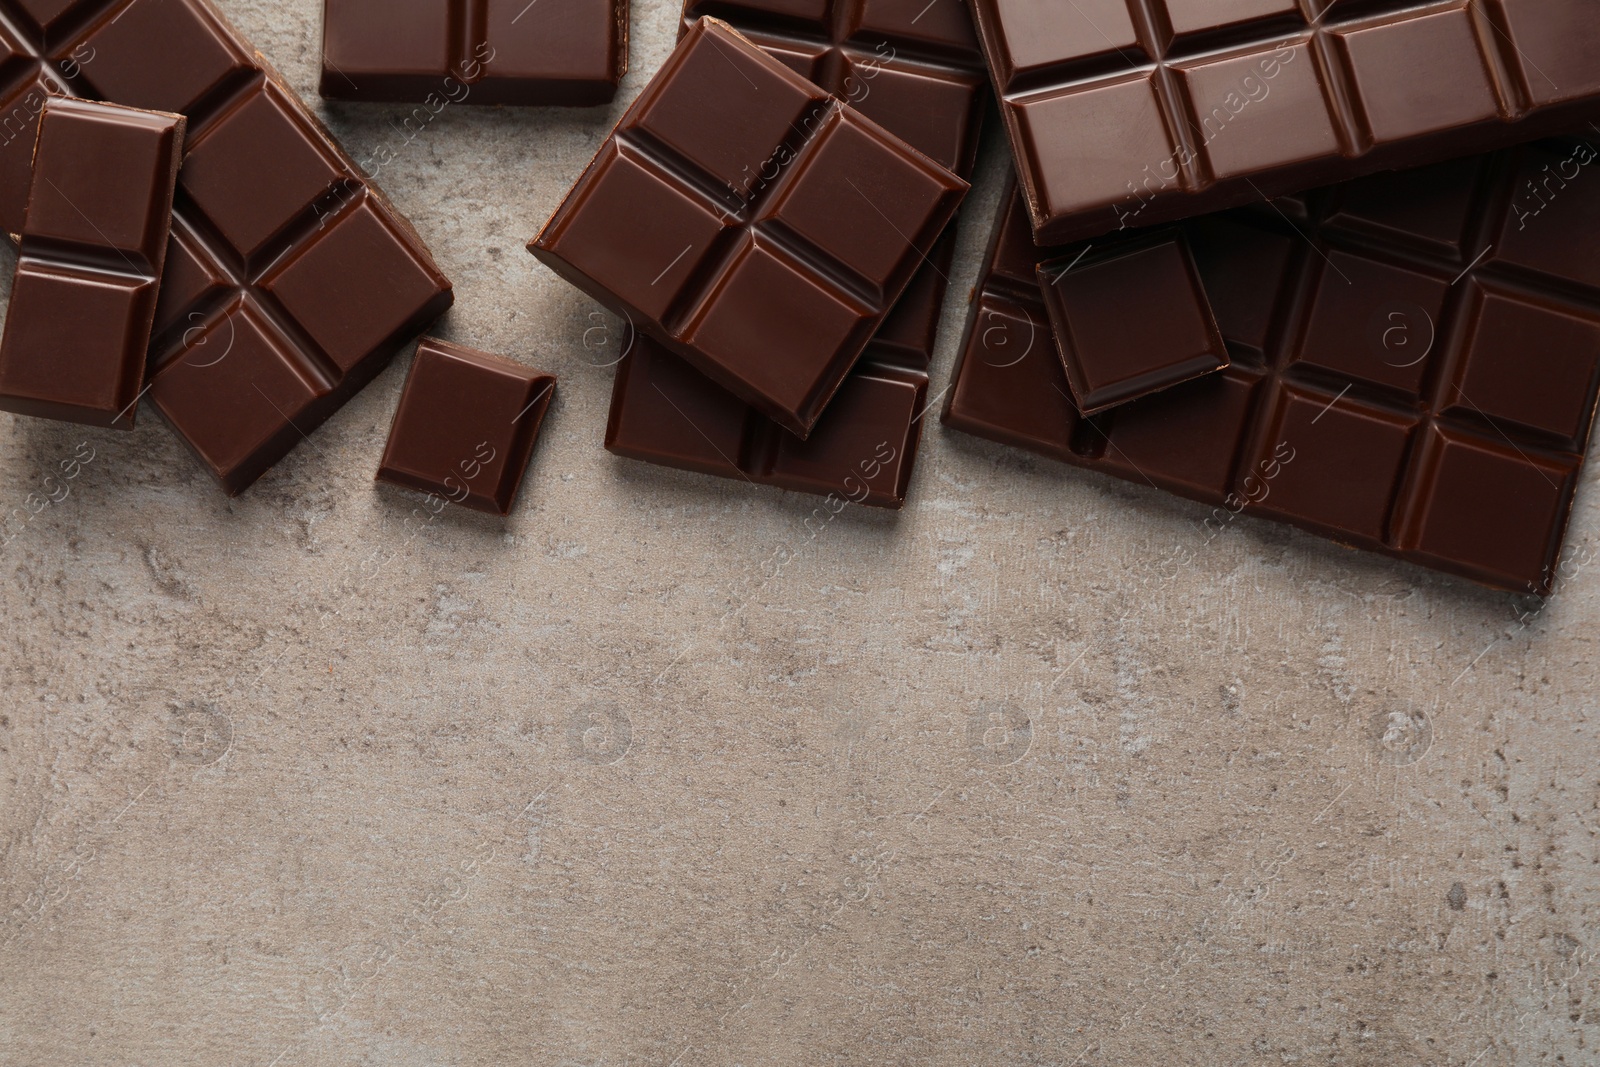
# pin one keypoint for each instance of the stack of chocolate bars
(1213, 273)
(1405, 362)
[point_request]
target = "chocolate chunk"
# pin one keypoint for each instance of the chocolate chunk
(290, 280)
(1129, 113)
(862, 450)
(750, 223)
(864, 447)
(1415, 359)
(922, 79)
(93, 242)
(564, 52)
(466, 426)
(1130, 321)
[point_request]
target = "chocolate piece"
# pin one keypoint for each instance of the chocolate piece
(563, 52)
(93, 243)
(923, 81)
(864, 447)
(1415, 364)
(1130, 321)
(466, 426)
(290, 280)
(751, 223)
(1127, 113)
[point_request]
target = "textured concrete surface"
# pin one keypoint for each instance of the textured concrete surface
(659, 772)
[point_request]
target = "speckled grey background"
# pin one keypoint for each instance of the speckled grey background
(1026, 774)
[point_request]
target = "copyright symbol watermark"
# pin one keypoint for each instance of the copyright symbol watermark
(1004, 342)
(200, 734)
(999, 735)
(1402, 334)
(1402, 734)
(600, 732)
(606, 342)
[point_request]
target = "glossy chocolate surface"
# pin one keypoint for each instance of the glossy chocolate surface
(750, 223)
(912, 67)
(1128, 113)
(1415, 358)
(92, 246)
(864, 447)
(561, 52)
(922, 80)
(466, 426)
(1130, 320)
(290, 280)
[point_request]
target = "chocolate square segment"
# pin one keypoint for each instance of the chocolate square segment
(1517, 541)
(1132, 323)
(758, 228)
(1417, 75)
(466, 426)
(1266, 98)
(93, 243)
(552, 52)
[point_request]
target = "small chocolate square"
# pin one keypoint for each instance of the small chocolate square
(466, 426)
(1420, 74)
(1116, 349)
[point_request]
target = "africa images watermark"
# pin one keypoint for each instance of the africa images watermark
(1162, 176)
(454, 89)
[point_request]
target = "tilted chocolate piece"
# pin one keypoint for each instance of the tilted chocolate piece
(864, 447)
(1128, 113)
(1129, 320)
(1415, 364)
(562, 52)
(751, 223)
(93, 242)
(466, 426)
(290, 281)
(923, 80)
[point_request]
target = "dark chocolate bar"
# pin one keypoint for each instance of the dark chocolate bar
(923, 80)
(751, 223)
(1130, 320)
(561, 52)
(1415, 359)
(93, 242)
(290, 281)
(1128, 113)
(466, 426)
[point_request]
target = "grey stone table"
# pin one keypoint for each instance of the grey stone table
(985, 782)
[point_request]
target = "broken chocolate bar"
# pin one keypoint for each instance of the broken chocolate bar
(290, 280)
(1129, 113)
(751, 223)
(559, 52)
(1415, 359)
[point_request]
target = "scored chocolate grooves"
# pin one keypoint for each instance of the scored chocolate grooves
(1275, 364)
(1523, 107)
(228, 420)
